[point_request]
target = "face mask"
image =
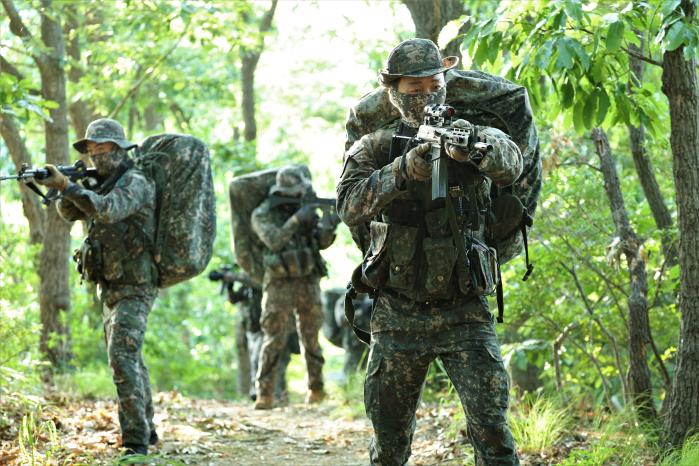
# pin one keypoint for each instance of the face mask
(412, 106)
(105, 162)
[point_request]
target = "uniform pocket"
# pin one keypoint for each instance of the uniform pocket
(438, 223)
(402, 244)
(298, 262)
(375, 264)
(274, 266)
(372, 383)
(441, 257)
(483, 266)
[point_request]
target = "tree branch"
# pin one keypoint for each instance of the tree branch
(9, 68)
(16, 24)
(146, 75)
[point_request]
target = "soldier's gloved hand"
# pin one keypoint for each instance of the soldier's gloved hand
(416, 167)
(55, 180)
(458, 153)
(306, 214)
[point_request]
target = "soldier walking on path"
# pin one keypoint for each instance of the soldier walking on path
(293, 266)
(117, 256)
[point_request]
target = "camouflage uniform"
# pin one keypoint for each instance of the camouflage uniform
(121, 219)
(249, 303)
(293, 267)
(424, 309)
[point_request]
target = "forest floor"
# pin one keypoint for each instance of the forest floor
(210, 432)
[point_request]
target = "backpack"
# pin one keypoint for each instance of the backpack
(185, 204)
(482, 99)
(245, 193)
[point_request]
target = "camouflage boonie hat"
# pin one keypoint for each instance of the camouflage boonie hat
(291, 181)
(104, 130)
(415, 58)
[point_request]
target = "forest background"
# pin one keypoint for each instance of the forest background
(592, 339)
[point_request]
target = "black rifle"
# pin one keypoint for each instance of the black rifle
(229, 276)
(437, 130)
(75, 172)
(309, 199)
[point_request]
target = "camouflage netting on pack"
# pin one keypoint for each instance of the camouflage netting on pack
(482, 99)
(245, 193)
(186, 204)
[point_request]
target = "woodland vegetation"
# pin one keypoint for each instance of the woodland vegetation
(602, 342)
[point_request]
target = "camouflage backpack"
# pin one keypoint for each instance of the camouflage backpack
(245, 193)
(482, 99)
(185, 206)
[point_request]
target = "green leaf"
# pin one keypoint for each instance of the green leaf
(450, 31)
(676, 36)
(482, 51)
(598, 71)
(565, 58)
(578, 123)
(615, 33)
(589, 110)
(603, 104)
(567, 94)
(669, 7)
(574, 10)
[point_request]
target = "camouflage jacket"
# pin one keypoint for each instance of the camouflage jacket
(123, 221)
(283, 235)
(368, 192)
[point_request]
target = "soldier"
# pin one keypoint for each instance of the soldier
(426, 308)
(117, 255)
(248, 299)
(293, 267)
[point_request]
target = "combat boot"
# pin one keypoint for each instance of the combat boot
(314, 396)
(264, 402)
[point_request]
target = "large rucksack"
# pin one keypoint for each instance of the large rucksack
(245, 193)
(482, 99)
(185, 207)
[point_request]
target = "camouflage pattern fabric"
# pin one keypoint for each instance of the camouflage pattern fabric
(282, 299)
(104, 130)
(255, 340)
(181, 168)
(398, 364)
(484, 100)
(124, 330)
(123, 220)
(355, 350)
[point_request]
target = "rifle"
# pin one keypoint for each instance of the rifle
(75, 172)
(229, 276)
(330, 218)
(437, 130)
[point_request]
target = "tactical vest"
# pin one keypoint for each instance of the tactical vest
(299, 258)
(118, 253)
(432, 250)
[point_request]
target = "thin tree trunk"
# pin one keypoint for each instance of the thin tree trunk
(20, 155)
(680, 86)
(644, 168)
(53, 270)
(640, 386)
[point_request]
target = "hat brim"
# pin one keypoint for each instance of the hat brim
(449, 63)
(287, 191)
(81, 145)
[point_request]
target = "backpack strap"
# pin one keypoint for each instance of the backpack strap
(526, 221)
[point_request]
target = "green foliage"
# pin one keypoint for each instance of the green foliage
(688, 455)
(30, 433)
(538, 425)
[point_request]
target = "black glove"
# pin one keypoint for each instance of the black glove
(306, 214)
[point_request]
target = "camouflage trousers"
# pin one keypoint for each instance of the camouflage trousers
(281, 300)
(398, 364)
(254, 340)
(124, 330)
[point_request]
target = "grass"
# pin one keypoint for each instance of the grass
(688, 455)
(89, 383)
(539, 425)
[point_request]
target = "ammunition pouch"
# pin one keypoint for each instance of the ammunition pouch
(291, 263)
(374, 268)
(88, 259)
(483, 267)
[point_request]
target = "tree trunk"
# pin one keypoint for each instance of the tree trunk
(680, 87)
(430, 16)
(30, 201)
(640, 386)
(53, 270)
(247, 77)
(644, 169)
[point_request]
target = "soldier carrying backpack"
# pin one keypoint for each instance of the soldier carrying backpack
(136, 243)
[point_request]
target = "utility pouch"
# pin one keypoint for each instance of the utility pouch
(441, 256)
(274, 267)
(299, 262)
(375, 264)
(483, 267)
(88, 259)
(437, 223)
(402, 245)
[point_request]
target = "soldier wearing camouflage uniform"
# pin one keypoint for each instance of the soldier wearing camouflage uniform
(293, 267)
(425, 309)
(117, 256)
